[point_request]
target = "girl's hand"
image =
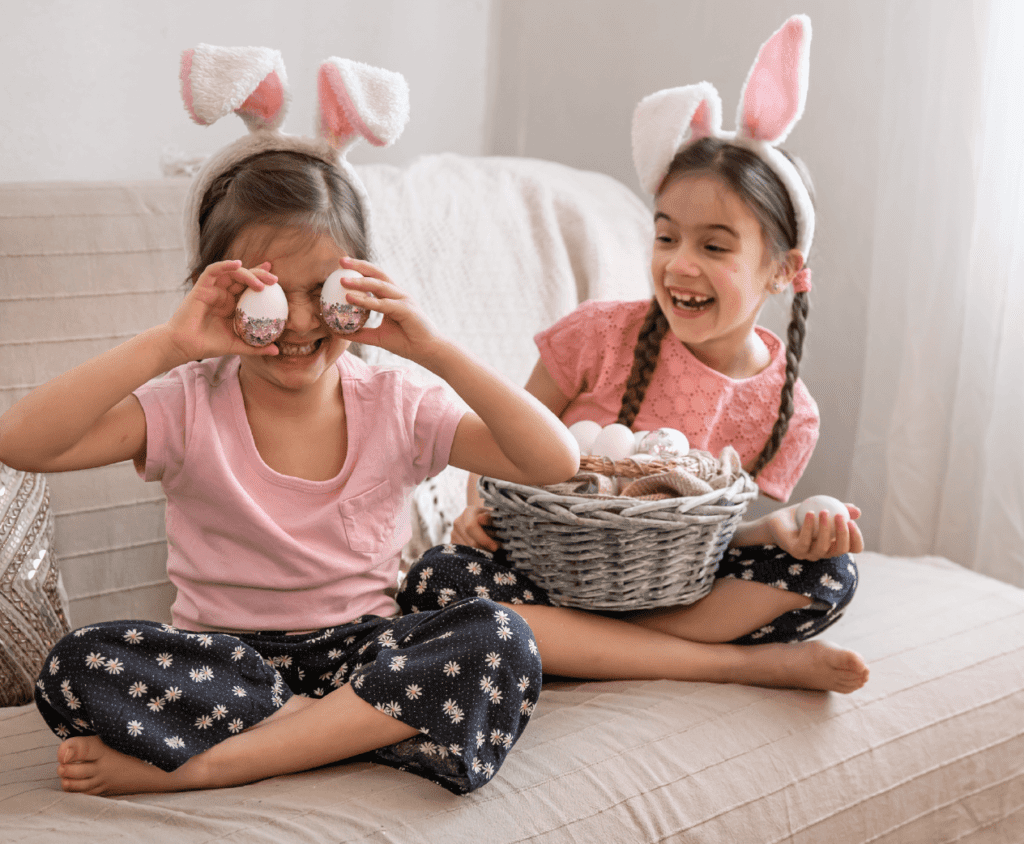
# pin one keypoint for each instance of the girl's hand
(404, 331)
(470, 529)
(818, 538)
(202, 327)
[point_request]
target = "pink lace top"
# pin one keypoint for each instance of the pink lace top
(589, 354)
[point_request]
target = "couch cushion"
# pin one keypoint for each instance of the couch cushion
(33, 605)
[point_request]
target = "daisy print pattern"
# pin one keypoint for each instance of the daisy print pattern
(461, 676)
(459, 572)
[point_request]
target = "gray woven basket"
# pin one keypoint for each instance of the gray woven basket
(616, 553)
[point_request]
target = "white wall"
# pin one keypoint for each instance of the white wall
(572, 71)
(92, 92)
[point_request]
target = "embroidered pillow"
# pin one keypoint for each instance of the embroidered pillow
(33, 604)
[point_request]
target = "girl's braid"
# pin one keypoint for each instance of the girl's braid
(645, 359)
(795, 335)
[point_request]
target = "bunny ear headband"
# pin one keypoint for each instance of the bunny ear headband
(771, 103)
(355, 101)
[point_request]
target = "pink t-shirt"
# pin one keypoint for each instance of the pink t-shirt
(252, 549)
(589, 354)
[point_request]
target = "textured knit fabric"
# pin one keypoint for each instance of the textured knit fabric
(449, 573)
(251, 549)
(466, 676)
(589, 354)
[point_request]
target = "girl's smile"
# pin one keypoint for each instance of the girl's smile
(712, 273)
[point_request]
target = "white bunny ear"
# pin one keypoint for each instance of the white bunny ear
(360, 101)
(667, 120)
(250, 81)
(775, 91)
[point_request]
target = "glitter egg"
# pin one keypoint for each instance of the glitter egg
(260, 315)
(665, 443)
(341, 316)
(585, 431)
(614, 442)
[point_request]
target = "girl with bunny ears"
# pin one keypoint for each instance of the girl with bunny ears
(733, 223)
(286, 469)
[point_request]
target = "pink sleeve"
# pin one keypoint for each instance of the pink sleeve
(780, 476)
(164, 403)
(562, 349)
(434, 412)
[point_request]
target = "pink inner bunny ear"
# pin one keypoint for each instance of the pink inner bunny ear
(776, 89)
(185, 77)
(701, 122)
(266, 102)
(360, 101)
(339, 121)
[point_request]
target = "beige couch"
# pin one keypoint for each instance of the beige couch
(931, 750)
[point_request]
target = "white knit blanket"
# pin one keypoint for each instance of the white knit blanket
(495, 250)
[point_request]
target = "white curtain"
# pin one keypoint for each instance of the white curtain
(939, 456)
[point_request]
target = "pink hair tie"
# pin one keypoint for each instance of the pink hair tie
(802, 281)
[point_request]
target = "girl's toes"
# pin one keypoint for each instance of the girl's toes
(72, 750)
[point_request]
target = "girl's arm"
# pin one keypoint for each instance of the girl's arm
(470, 527)
(508, 434)
(541, 386)
(88, 416)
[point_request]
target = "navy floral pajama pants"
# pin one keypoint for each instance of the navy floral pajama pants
(467, 676)
(449, 573)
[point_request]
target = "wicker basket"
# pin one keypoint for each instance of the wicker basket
(615, 552)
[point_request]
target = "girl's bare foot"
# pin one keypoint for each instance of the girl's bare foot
(814, 664)
(86, 765)
(303, 734)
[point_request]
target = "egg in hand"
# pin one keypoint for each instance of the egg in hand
(815, 504)
(260, 315)
(339, 315)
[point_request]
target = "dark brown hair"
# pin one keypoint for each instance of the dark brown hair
(282, 189)
(764, 194)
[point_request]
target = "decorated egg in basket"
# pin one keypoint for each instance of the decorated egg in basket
(664, 443)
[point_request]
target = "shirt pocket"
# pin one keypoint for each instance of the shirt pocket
(370, 519)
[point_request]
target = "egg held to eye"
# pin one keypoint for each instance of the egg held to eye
(339, 315)
(260, 315)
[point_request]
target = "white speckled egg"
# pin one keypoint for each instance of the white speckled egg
(665, 443)
(614, 442)
(260, 315)
(585, 432)
(341, 316)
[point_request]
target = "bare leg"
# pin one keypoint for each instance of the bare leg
(304, 734)
(732, 609)
(573, 643)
